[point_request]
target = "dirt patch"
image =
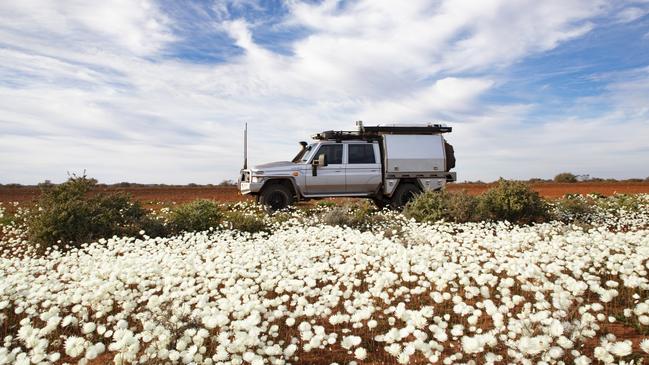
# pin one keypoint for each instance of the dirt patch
(181, 194)
(557, 190)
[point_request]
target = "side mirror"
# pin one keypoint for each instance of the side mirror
(322, 160)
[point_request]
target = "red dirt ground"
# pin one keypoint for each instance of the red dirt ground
(180, 194)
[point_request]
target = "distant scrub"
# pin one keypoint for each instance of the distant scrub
(74, 212)
(565, 177)
(68, 213)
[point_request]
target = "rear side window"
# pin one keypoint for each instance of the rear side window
(333, 153)
(361, 153)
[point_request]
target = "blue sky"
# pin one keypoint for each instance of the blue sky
(158, 91)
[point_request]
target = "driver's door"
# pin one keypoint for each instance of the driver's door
(329, 178)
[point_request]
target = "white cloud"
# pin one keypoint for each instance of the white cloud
(85, 85)
(610, 143)
(630, 14)
(138, 27)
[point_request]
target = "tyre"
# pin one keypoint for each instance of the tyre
(404, 193)
(380, 202)
(276, 197)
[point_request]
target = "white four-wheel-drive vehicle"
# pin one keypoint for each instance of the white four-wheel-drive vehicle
(388, 164)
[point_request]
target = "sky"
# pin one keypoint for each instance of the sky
(158, 91)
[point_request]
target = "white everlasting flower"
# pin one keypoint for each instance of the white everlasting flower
(556, 329)
(350, 341)
(88, 328)
(174, 355)
(290, 350)
(603, 355)
(360, 353)
(644, 345)
(471, 345)
(644, 320)
(393, 349)
(621, 349)
(74, 346)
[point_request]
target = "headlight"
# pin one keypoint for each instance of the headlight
(257, 179)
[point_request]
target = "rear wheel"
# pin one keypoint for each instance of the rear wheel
(275, 197)
(380, 202)
(404, 193)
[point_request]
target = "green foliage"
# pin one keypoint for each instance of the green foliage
(70, 213)
(433, 206)
(245, 221)
(326, 204)
(627, 202)
(574, 208)
(199, 215)
(565, 177)
(6, 219)
(512, 201)
(358, 214)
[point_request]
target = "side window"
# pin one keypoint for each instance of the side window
(333, 153)
(361, 153)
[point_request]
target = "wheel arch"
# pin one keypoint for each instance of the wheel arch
(402, 181)
(286, 181)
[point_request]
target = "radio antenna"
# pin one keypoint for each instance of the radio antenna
(245, 146)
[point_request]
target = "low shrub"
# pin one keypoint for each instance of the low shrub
(574, 208)
(245, 221)
(69, 213)
(433, 206)
(355, 215)
(616, 202)
(513, 201)
(199, 215)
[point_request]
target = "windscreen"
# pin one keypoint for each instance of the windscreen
(305, 154)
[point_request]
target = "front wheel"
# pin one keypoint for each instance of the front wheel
(404, 194)
(275, 197)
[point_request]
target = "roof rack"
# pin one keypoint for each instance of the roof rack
(375, 132)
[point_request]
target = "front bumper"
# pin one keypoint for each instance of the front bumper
(246, 185)
(249, 187)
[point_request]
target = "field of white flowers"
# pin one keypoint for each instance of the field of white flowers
(310, 293)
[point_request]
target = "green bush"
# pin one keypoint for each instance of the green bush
(432, 206)
(70, 213)
(245, 221)
(574, 208)
(565, 177)
(355, 215)
(615, 202)
(513, 201)
(198, 215)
